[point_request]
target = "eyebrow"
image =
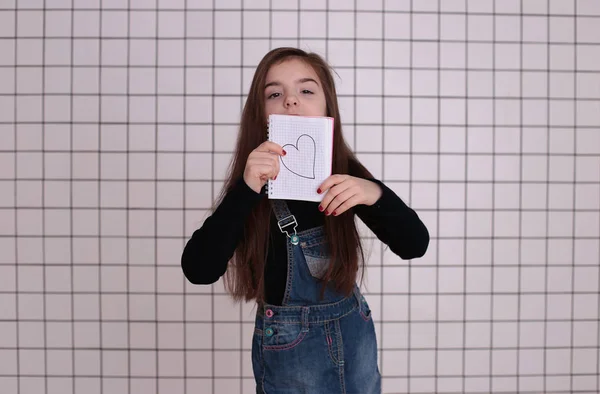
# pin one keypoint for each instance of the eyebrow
(301, 80)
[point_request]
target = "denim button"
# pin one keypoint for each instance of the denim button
(269, 313)
(269, 332)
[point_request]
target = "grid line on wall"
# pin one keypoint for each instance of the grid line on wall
(547, 244)
(410, 189)
(71, 199)
(493, 232)
(309, 10)
(212, 187)
(155, 218)
(338, 67)
(381, 345)
(341, 39)
(463, 368)
(100, 109)
(43, 202)
(240, 316)
(574, 224)
(16, 218)
(518, 361)
(438, 174)
(127, 193)
(184, 202)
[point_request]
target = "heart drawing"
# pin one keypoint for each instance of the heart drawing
(300, 158)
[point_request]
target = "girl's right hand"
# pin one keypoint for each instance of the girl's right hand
(262, 165)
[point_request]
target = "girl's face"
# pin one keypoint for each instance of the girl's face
(293, 88)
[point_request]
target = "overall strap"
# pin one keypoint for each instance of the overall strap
(281, 209)
(285, 220)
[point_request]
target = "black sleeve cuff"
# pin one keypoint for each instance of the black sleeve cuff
(388, 201)
(241, 198)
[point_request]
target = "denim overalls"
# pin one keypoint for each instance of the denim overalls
(312, 345)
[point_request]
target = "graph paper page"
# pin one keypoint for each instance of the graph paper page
(308, 142)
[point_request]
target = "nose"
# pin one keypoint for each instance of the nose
(291, 101)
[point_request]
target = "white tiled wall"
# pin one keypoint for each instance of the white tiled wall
(483, 115)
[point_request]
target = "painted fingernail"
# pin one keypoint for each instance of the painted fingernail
(319, 191)
(320, 208)
(326, 212)
(334, 213)
(284, 152)
(275, 177)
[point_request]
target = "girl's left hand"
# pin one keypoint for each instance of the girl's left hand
(345, 192)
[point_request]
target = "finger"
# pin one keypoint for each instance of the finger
(349, 203)
(273, 157)
(331, 195)
(277, 166)
(327, 183)
(264, 171)
(269, 146)
(262, 157)
(269, 159)
(339, 199)
(330, 181)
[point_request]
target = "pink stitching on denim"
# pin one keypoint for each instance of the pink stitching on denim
(364, 316)
(330, 349)
(289, 346)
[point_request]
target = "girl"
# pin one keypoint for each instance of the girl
(313, 328)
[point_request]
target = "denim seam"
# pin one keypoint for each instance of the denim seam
(340, 349)
(318, 321)
(329, 338)
(318, 307)
(262, 362)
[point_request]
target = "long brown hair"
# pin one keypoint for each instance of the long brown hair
(244, 276)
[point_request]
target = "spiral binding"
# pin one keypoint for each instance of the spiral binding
(268, 190)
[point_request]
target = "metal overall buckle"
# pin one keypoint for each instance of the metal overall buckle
(286, 222)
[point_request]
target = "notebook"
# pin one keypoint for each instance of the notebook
(308, 142)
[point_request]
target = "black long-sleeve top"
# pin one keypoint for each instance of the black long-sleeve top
(206, 254)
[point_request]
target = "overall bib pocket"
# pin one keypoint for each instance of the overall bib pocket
(317, 255)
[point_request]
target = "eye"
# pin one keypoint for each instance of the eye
(306, 91)
(273, 95)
